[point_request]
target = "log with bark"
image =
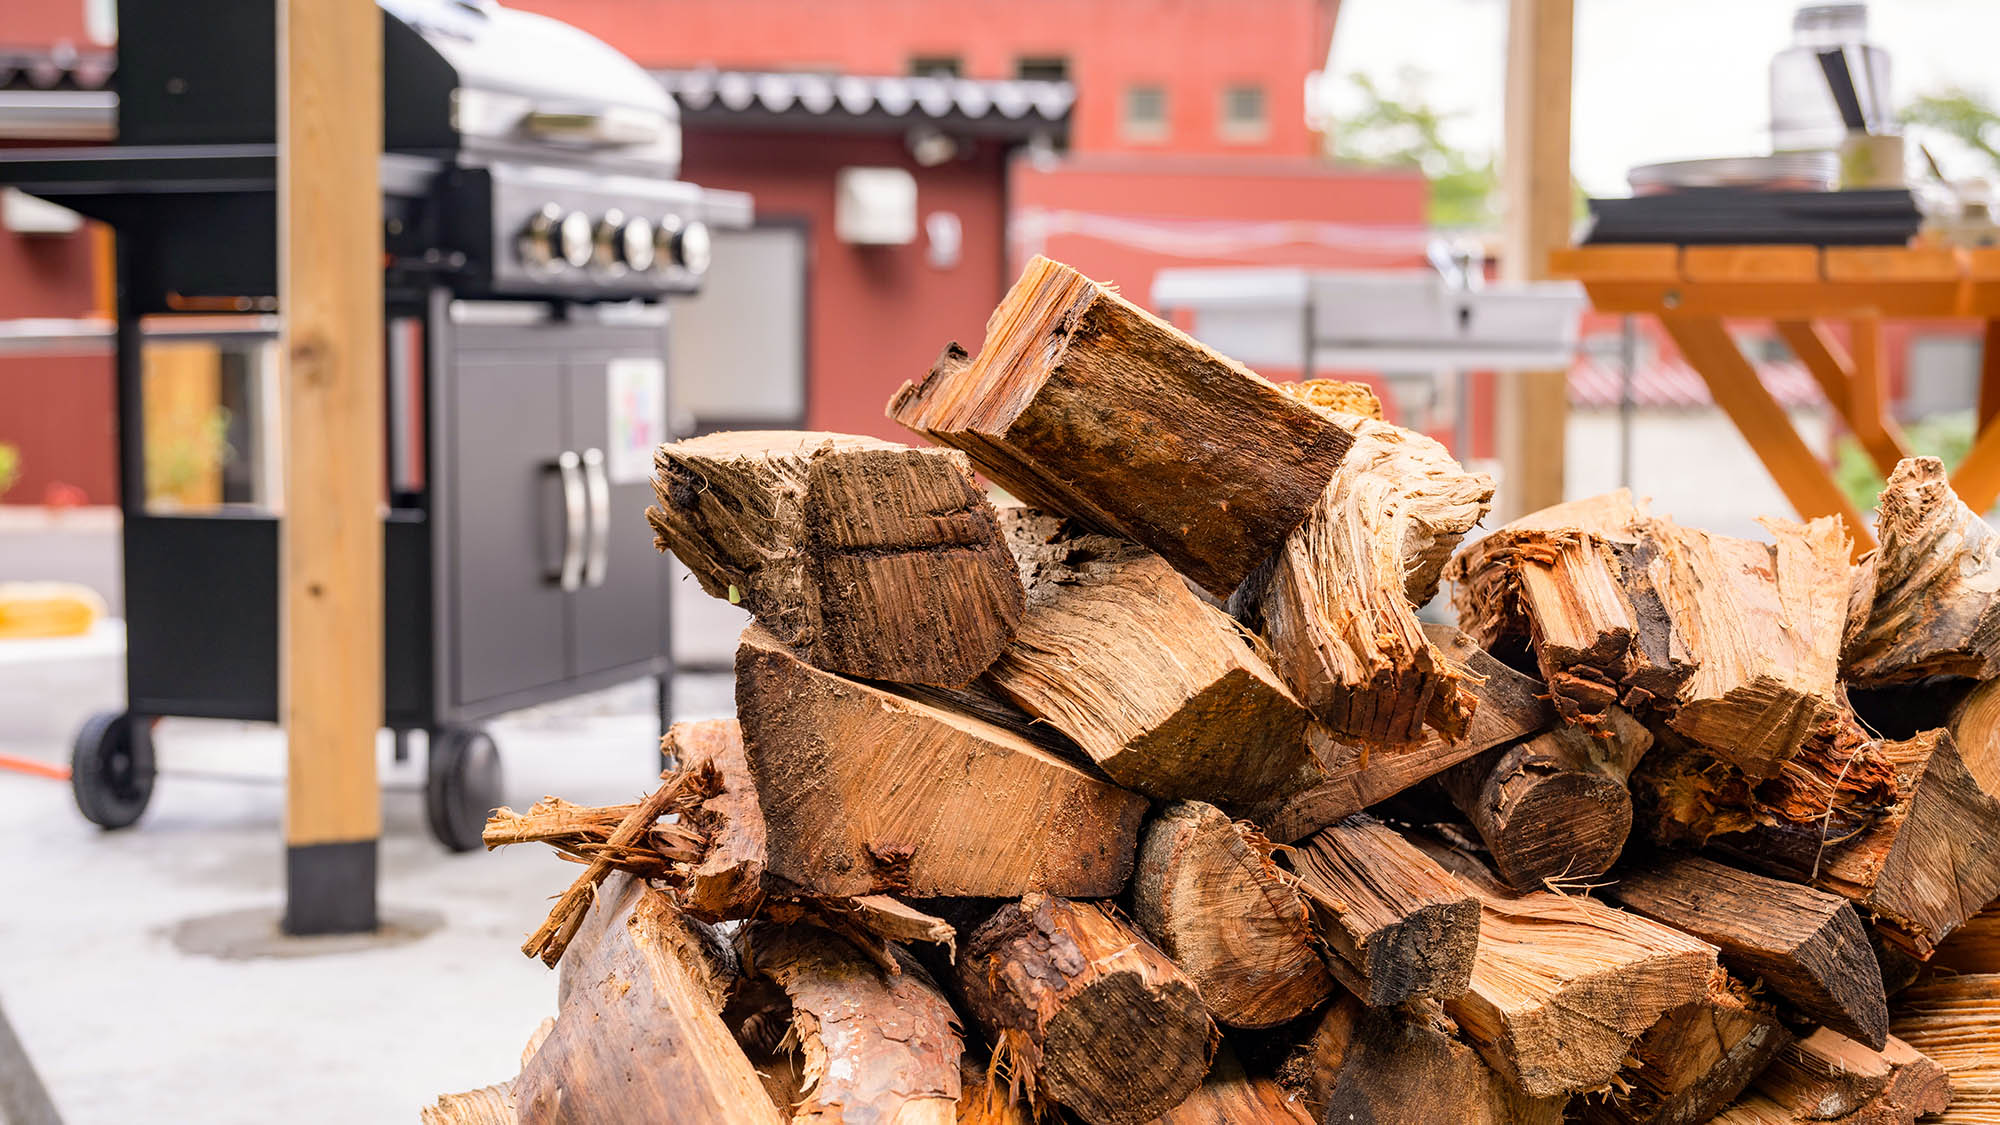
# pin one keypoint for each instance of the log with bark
(1563, 985)
(1163, 691)
(1897, 826)
(1809, 946)
(1556, 806)
(868, 558)
(1829, 1077)
(1088, 1012)
(1927, 601)
(1208, 894)
(1955, 1022)
(1347, 778)
(638, 1032)
(1397, 926)
(1403, 1064)
(1082, 403)
(864, 791)
(1690, 1065)
(874, 1046)
(1337, 603)
(1576, 582)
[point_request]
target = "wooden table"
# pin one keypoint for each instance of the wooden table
(1694, 289)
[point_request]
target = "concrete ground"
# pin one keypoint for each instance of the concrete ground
(123, 1026)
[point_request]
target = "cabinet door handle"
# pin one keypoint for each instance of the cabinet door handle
(598, 558)
(568, 467)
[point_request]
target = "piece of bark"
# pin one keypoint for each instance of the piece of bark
(1081, 402)
(866, 791)
(1089, 1012)
(1348, 778)
(1336, 605)
(1208, 894)
(729, 880)
(1163, 691)
(1809, 946)
(1403, 1064)
(1763, 622)
(1926, 602)
(1229, 1096)
(1562, 985)
(868, 558)
(875, 1047)
(1396, 925)
(488, 1105)
(1829, 1077)
(552, 937)
(638, 1031)
(1692, 1063)
(1954, 1021)
(1575, 583)
(1554, 807)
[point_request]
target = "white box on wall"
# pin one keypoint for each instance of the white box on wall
(875, 206)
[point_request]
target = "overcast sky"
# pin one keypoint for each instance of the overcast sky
(1655, 79)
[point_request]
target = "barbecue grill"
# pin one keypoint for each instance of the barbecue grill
(533, 227)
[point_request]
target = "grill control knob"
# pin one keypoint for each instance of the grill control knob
(553, 237)
(683, 244)
(624, 243)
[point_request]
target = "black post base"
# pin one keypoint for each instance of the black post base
(330, 889)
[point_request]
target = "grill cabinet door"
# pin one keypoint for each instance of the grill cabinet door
(507, 523)
(617, 407)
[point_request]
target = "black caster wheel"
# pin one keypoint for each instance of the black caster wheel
(461, 785)
(111, 768)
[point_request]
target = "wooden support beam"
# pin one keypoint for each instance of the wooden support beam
(1853, 387)
(1734, 385)
(1989, 376)
(330, 539)
(1977, 478)
(1534, 406)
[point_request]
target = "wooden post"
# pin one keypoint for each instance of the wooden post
(330, 543)
(1534, 405)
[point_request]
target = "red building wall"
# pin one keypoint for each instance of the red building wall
(878, 314)
(1193, 48)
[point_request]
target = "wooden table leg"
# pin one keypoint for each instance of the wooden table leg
(1855, 388)
(1734, 385)
(1989, 376)
(1977, 479)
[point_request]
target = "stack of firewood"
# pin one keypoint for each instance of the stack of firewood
(1154, 799)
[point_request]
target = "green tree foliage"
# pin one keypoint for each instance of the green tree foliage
(1947, 437)
(10, 467)
(1962, 115)
(1399, 128)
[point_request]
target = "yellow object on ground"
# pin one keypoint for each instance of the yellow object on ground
(47, 609)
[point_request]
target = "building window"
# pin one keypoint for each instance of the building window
(1243, 115)
(935, 66)
(1042, 68)
(1146, 113)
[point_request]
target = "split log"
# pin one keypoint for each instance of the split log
(1555, 806)
(1396, 925)
(488, 1105)
(1690, 1065)
(729, 880)
(1563, 985)
(1955, 1022)
(638, 1032)
(1337, 603)
(1808, 946)
(1764, 624)
(865, 791)
(1829, 1077)
(1081, 402)
(876, 1047)
(1207, 893)
(1927, 600)
(1403, 1064)
(1897, 827)
(1973, 947)
(1162, 690)
(868, 558)
(1228, 1096)
(1575, 581)
(1092, 1015)
(1349, 778)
